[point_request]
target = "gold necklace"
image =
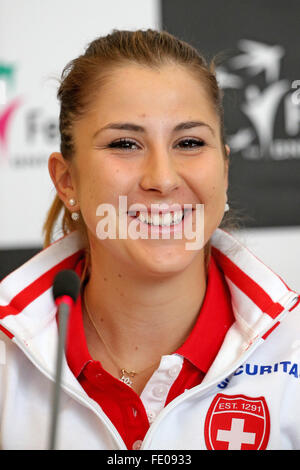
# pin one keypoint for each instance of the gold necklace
(125, 375)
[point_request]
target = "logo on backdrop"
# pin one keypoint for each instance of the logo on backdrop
(262, 106)
(23, 141)
(7, 110)
(237, 422)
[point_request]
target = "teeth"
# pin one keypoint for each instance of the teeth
(142, 217)
(167, 219)
(164, 219)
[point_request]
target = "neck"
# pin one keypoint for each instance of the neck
(142, 319)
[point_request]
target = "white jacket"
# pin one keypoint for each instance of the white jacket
(250, 397)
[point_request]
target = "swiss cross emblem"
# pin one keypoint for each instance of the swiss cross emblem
(237, 422)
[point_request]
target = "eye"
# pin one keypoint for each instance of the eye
(124, 144)
(191, 143)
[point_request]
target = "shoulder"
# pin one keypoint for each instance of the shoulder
(21, 287)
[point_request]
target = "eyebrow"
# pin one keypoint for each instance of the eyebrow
(128, 126)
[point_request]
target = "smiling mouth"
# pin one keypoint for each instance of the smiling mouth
(161, 219)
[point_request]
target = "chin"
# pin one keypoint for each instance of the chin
(166, 261)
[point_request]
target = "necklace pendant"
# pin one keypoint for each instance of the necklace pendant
(126, 380)
(125, 377)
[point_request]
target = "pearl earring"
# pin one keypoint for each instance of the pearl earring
(226, 207)
(75, 216)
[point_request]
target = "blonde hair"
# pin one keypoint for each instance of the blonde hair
(84, 76)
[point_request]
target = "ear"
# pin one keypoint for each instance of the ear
(227, 150)
(60, 173)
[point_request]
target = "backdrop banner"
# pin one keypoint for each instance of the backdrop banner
(257, 46)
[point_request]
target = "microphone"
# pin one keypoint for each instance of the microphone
(65, 291)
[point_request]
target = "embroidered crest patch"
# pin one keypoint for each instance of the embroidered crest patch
(237, 422)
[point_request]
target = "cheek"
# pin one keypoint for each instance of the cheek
(214, 204)
(102, 184)
(216, 193)
(210, 184)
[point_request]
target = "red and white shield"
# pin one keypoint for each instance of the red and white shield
(237, 422)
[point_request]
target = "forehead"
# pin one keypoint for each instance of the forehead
(168, 90)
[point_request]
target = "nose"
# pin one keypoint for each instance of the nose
(160, 172)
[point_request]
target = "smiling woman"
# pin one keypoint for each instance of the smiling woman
(158, 329)
(119, 57)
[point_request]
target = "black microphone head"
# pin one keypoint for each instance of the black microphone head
(66, 282)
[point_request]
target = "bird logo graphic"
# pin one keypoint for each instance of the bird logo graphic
(260, 106)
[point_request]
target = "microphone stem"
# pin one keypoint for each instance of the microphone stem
(63, 313)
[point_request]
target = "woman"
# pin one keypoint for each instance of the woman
(166, 345)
